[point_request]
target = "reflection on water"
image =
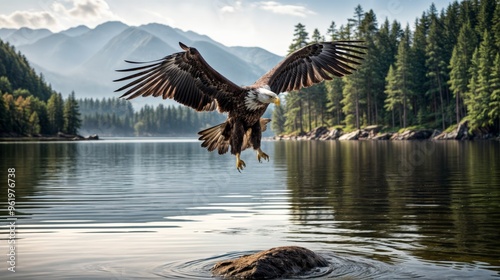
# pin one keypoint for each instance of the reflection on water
(168, 209)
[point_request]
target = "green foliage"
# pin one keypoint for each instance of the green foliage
(71, 114)
(5, 85)
(20, 74)
(494, 111)
(28, 105)
(55, 113)
(478, 96)
(459, 67)
(278, 120)
(436, 79)
(301, 38)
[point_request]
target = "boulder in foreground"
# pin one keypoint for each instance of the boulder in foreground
(279, 262)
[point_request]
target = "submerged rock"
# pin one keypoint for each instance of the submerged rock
(279, 262)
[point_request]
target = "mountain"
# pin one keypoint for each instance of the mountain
(76, 31)
(85, 60)
(26, 35)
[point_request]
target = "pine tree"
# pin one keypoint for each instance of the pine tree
(72, 120)
(494, 112)
(421, 101)
(478, 98)
(278, 120)
(392, 101)
(496, 26)
(332, 32)
(317, 37)
(485, 15)
(351, 104)
(293, 115)
(34, 124)
(403, 74)
(471, 99)
(370, 79)
(294, 100)
(40, 108)
(334, 89)
(437, 64)
(55, 113)
(5, 85)
(301, 38)
(480, 95)
(358, 17)
(459, 67)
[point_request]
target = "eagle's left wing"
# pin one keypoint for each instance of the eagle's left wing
(185, 77)
(313, 64)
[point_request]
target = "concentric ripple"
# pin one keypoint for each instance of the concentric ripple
(340, 267)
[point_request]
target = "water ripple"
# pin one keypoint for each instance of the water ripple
(340, 267)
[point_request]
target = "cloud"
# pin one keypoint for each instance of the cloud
(85, 9)
(28, 19)
(278, 8)
(231, 8)
(228, 9)
(59, 14)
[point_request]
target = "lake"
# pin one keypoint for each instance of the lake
(167, 208)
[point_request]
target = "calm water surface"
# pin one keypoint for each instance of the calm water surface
(152, 209)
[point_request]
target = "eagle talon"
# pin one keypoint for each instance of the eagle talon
(262, 155)
(240, 164)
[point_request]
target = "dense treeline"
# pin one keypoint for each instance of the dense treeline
(15, 68)
(444, 70)
(113, 116)
(28, 106)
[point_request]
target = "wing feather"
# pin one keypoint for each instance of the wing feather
(185, 77)
(313, 64)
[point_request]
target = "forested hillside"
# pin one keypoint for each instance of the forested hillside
(442, 70)
(28, 106)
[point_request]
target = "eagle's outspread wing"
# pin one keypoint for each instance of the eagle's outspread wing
(185, 77)
(313, 64)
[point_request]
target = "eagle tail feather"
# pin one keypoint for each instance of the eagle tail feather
(215, 138)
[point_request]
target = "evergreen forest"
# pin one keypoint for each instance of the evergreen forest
(442, 70)
(28, 106)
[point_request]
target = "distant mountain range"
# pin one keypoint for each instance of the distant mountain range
(85, 60)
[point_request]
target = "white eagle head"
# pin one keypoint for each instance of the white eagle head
(257, 98)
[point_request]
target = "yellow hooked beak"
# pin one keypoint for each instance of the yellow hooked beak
(277, 101)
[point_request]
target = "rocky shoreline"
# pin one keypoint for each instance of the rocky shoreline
(59, 137)
(461, 132)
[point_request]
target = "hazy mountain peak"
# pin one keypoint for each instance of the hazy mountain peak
(26, 35)
(110, 26)
(76, 31)
(84, 59)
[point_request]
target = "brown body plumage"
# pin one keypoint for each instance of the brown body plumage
(188, 79)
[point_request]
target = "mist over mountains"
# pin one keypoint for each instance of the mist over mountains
(84, 60)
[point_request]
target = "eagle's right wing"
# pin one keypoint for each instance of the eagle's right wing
(185, 77)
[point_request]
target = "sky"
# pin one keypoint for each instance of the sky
(266, 24)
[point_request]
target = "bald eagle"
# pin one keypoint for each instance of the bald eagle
(188, 79)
